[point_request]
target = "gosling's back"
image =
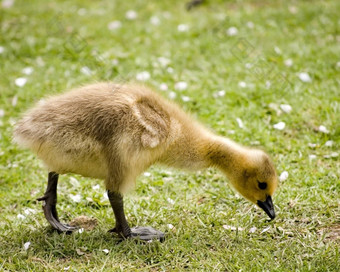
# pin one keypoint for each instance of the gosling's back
(79, 131)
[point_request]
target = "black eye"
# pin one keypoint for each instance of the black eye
(262, 185)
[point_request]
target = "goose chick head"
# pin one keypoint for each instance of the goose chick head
(254, 177)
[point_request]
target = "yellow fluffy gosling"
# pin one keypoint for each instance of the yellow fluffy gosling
(115, 132)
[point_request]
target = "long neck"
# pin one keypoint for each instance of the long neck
(227, 155)
(203, 150)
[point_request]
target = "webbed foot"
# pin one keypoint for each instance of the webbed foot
(141, 233)
(147, 234)
(49, 205)
(51, 215)
(122, 226)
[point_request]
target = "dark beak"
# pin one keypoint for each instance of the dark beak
(267, 206)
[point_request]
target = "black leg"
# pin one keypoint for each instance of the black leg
(117, 204)
(193, 3)
(50, 202)
(122, 226)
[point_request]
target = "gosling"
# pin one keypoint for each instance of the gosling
(115, 132)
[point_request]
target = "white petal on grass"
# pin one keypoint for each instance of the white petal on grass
(67, 268)
(279, 125)
(14, 100)
(27, 245)
(185, 98)
(155, 20)
(311, 145)
(171, 201)
(337, 64)
(82, 11)
(147, 174)
(2, 49)
(329, 143)
(172, 95)
(40, 61)
(7, 3)
(170, 70)
(293, 9)
(106, 251)
(27, 70)
(273, 106)
(265, 230)
(255, 143)
(248, 65)
(252, 230)
(221, 93)
(182, 28)
(277, 50)
(323, 129)
(312, 157)
(80, 252)
(2, 113)
(163, 61)
(286, 108)
(67, 73)
(29, 211)
(268, 84)
(20, 81)
(143, 76)
(20, 216)
(96, 187)
(166, 179)
(284, 175)
(12, 121)
(332, 155)
(114, 25)
(131, 15)
(167, 14)
(115, 62)
(250, 24)
(74, 182)
(81, 230)
(163, 87)
(239, 122)
(242, 84)
(75, 198)
(170, 226)
(300, 154)
(232, 31)
(181, 85)
(288, 62)
(304, 77)
(227, 227)
(86, 71)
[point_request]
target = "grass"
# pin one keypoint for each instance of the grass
(69, 43)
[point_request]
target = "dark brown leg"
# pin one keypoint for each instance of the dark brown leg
(193, 3)
(117, 204)
(50, 202)
(122, 226)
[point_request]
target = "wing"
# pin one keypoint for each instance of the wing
(153, 121)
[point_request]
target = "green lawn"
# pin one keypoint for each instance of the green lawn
(221, 61)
